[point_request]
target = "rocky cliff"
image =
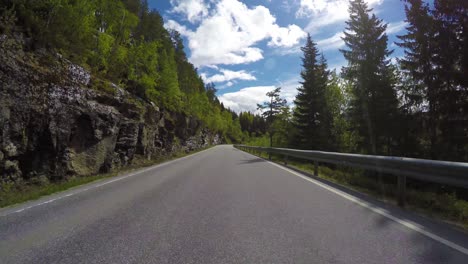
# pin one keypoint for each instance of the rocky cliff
(57, 120)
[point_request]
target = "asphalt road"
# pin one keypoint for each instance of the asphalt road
(220, 206)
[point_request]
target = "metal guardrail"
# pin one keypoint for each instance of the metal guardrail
(444, 172)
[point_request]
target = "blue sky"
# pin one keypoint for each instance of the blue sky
(248, 47)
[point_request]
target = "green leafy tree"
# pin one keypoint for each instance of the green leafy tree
(341, 137)
(282, 125)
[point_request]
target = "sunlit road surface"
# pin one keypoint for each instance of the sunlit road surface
(220, 206)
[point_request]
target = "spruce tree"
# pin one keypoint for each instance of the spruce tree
(311, 115)
(419, 48)
(373, 107)
(451, 46)
(436, 63)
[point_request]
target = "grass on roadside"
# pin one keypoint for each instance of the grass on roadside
(12, 194)
(443, 206)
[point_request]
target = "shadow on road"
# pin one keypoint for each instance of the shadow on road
(250, 161)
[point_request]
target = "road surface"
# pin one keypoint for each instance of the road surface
(220, 206)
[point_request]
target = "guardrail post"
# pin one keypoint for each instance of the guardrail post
(286, 160)
(315, 168)
(269, 155)
(401, 190)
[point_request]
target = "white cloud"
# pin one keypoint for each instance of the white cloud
(229, 33)
(195, 10)
(228, 75)
(331, 43)
(288, 51)
(171, 24)
(286, 37)
(246, 99)
(311, 6)
(214, 67)
(289, 88)
(326, 12)
(396, 27)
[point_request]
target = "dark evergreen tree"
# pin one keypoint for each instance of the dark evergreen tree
(450, 61)
(418, 63)
(435, 64)
(311, 117)
(211, 92)
(373, 108)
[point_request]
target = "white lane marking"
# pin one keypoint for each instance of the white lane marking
(97, 185)
(409, 224)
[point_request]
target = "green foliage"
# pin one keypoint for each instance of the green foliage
(253, 125)
(170, 95)
(282, 127)
(263, 141)
(341, 137)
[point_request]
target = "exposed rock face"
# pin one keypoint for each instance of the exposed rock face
(54, 124)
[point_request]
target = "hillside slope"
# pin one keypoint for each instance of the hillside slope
(57, 119)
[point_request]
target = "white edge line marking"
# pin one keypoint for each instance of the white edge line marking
(409, 224)
(97, 185)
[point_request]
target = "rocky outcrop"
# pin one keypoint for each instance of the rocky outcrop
(55, 123)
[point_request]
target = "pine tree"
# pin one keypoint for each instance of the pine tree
(311, 116)
(325, 132)
(373, 108)
(418, 44)
(451, 46)
(271, 109)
